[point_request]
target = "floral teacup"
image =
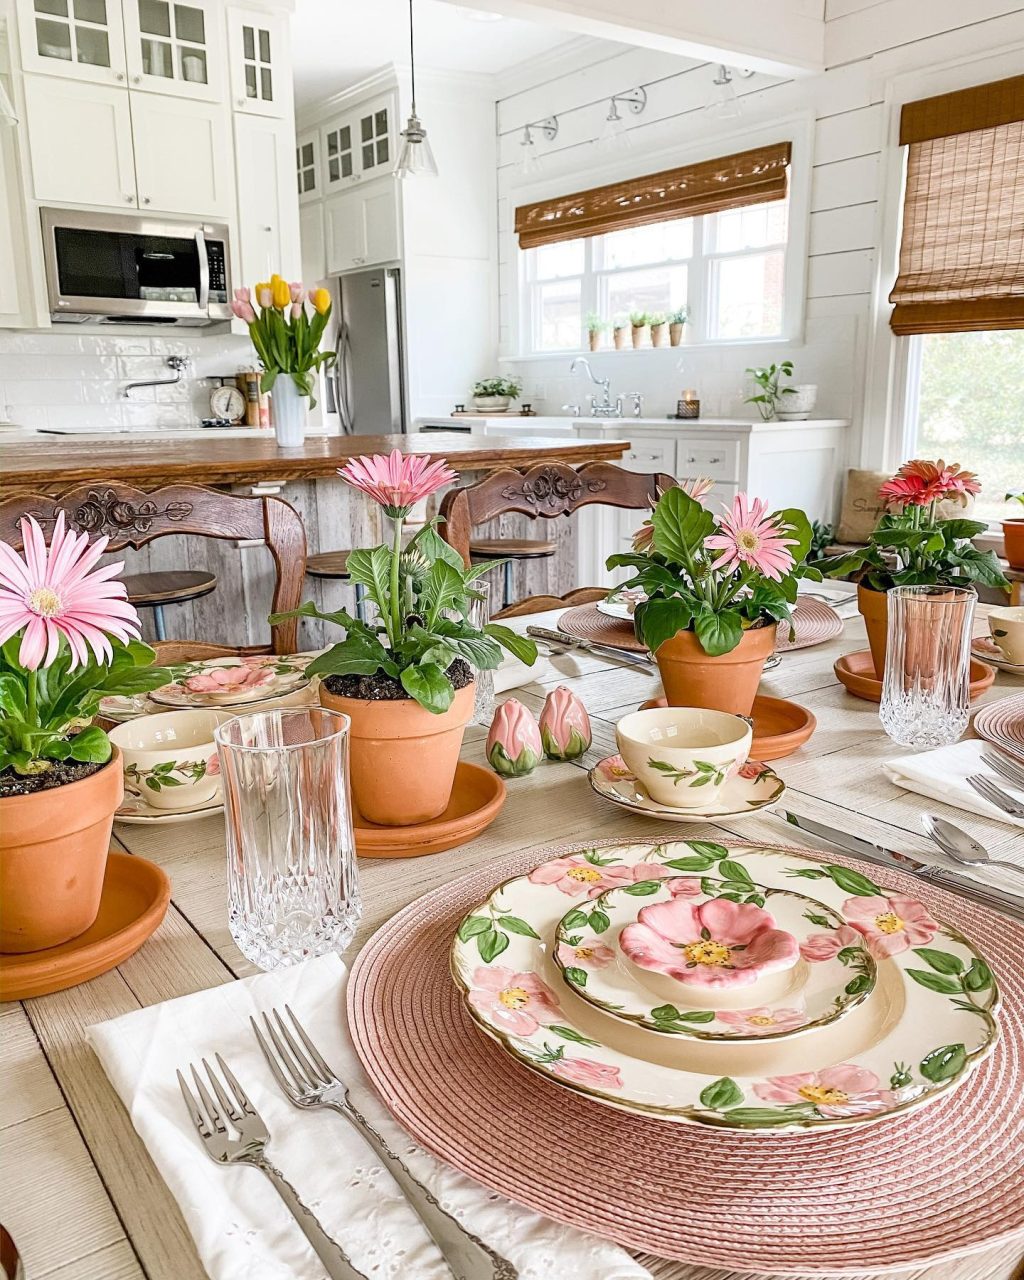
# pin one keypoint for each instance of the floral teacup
(1006, 625)
(170, 760)
(683, 755)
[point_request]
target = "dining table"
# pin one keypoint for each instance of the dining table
(78, 1191)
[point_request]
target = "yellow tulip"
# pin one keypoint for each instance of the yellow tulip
(282, 294)
(321, 301)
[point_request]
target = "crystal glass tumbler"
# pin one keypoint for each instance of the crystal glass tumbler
(926, 690)
(479, 616)
(292, 887)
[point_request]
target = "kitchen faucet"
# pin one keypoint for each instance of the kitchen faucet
(178, 363)
(602, 408)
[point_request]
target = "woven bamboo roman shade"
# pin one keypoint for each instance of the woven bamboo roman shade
(751, 177)
(962, 253)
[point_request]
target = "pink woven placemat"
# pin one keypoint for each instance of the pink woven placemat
(919, 1188)
(588, 623)
(1002, 722)
(814, 622)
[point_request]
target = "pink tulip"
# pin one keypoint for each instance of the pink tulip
(244, 311)
(265, 296)
(564, 725)
(242, 295)
(296, 290)
(513, 743)
(296, 310)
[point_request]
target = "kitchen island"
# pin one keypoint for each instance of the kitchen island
(336, 517)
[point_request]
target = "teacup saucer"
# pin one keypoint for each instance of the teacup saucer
(623, 954)
(136, 810)
(756, 786)
(987, 650)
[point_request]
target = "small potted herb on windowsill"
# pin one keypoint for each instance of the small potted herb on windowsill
(658, 321)
(68, 637)
(595, 327)
(638, 321)
(405, 679)
(620, 327)
(676, 320)
(1013, 533)
(494, 395)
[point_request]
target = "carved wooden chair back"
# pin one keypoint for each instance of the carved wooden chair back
(133, 517)
(541, 604)
(548, 490)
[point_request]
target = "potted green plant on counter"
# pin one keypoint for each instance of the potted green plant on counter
(676, 320)
(770, 394)
(494, 395)
(68, 637)
(638, 322)
(405, 679)
(595, 327)
(715, 590)
(1013, 532)
(913, 545)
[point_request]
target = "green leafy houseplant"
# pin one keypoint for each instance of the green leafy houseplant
(678, 316)
(594, 324)
(716, 578)
(770, 395)
(639, 319)
(510, 387)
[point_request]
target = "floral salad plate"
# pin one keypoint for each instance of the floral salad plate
(714, 958)
(229, 682)
(754, 786)
(924, 1025)
(135, 810)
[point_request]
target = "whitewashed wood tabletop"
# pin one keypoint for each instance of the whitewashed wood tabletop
(77, 1189)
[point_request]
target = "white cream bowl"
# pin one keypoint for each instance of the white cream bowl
(170, 760)
(683, 755)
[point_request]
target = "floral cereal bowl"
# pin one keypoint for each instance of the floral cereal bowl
(683, 755)
(916, 1033)
(171, 759)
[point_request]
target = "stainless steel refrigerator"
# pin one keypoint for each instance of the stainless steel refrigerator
(367, 384)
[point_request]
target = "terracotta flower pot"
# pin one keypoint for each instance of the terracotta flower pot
(1013, 534)
(692, 678)
(658, 335)
(675, 334)
(619, 338)
(53, 853)
(403, 758)
(595, 339)
(874, 609)
(638, 334)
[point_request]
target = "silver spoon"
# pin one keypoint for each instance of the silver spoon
(961, 847)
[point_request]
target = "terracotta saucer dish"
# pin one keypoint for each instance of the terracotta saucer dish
(753, 788)
(780, 726)
(918, 1032)
(476, 800)
(856, 673)
(135, 897)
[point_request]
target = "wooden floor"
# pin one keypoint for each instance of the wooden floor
(77, 1189)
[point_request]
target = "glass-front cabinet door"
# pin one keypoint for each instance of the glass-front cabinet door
(340, 159)
(257, 49)
(307, 167)
(375, 146)
(358, 145)
(82, 39)
(174, 48)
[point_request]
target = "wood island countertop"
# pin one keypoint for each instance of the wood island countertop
(54, 462)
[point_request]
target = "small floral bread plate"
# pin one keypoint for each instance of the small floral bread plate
(642, 957)
(755, 786)
(928, 1021)
(136, 811)
(232, 682)
(985, 648)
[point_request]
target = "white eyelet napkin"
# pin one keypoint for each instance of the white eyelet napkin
(513, 674)
(241, 1228)
(942, 775)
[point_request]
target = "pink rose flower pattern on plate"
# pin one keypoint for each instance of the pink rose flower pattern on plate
(892, 924)
(585, 1071)
(843, 1090)
(719, 943)
(761, 1022)
(577, 875)
(819, 947)
(229, 680)
(518, 1003)
(615, 769)
(588, 955)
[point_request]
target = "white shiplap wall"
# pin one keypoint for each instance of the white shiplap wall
(868, 44)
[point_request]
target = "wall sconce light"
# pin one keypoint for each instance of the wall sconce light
(724, 104)
(615, 134)
(529, 162)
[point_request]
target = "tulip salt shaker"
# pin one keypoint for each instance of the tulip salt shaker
(564, 725)
(513, 743)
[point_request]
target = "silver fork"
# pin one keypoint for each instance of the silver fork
(213, 1122)
(1007, 769)
(988, 790)
(308, 1081)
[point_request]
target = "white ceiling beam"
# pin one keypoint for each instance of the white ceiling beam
(780, 37)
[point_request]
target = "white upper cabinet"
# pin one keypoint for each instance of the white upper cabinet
(175, 48)
(258, 56)
(182, 156)
(267, 207)
(80, 143)
(358, 145)
(362, 228)
(80, 39)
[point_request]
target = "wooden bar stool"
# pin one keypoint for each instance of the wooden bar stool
(170, 586)
(333, 566)
(510, 549)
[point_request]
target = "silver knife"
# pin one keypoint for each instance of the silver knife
(623, 656)
(879, 854)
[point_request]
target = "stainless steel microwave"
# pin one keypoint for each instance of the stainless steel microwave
(114, 268)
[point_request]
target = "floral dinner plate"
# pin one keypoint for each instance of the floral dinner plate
(928, 1021)
(638, 953)
(756, 786)
(231, 682)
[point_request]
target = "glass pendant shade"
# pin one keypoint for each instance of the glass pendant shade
(724, 105)
(416, 158)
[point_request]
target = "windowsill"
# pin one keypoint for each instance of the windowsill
(659, 352)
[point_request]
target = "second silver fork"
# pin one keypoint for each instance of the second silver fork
(308, 1081)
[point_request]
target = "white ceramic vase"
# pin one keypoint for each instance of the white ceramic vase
(288, 409)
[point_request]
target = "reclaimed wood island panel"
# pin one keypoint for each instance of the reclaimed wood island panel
(336, 517)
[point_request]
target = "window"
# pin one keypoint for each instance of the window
(964, 397)
(726, 268)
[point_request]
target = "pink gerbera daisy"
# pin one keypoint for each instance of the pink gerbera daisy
(750, 536)
(58, 592)
(397, 481)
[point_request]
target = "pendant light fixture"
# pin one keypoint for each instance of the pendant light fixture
(416, 159)
(615, 135)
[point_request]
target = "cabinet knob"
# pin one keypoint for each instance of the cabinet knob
(129, 199)
(713, 461)
(145, 199)
(239, 102)
(119, 76)
(268, 230)
(136, 79)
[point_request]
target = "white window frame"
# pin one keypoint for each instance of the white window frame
(797, 129)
